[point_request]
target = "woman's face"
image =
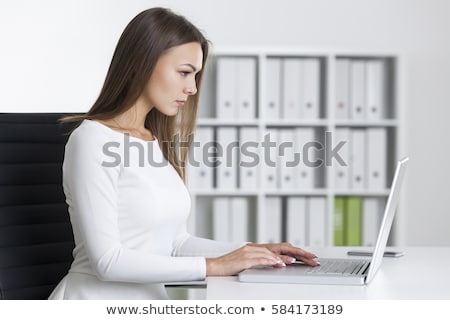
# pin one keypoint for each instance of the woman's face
(173, 79)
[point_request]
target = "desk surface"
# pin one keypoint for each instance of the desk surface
(422, 273)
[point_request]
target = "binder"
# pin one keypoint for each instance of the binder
(376, 93)
(271, 172)
(207, 99)
(239, 213)
(246, 88)
(227, 166)
(305, 175)
(338, 225)
(292, 83)
(357, 90)
(272, 220)
(310, 90)
(286, 161)
(296, 221)
(357, 159)
(200, 168)
(376, 158)
(371, 220)
(221, 219)
(342, 89)
(226, 88)
(352, 221)
(273, 88)
(249, 146)
(317, 221)
(341, 172)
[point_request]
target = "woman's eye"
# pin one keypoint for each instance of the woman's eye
(184, 73)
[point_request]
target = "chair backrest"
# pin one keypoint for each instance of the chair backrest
(36, 239)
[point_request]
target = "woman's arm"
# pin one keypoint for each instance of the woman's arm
(225, 259)
(91, 191)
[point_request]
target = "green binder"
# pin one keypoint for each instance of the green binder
(352, 221)
(339, 210)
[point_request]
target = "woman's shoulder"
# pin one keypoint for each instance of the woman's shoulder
(92, 142)
(92, 134)
(93, 130)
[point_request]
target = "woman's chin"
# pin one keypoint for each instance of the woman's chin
(170, 112)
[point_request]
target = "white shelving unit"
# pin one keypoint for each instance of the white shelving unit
(390, 123)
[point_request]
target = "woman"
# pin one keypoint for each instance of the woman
(129, 214)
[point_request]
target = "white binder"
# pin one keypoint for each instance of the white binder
(317, 221)
(239, 213)
(273, 88)
(358, 159)
(227, 165)
(310, 90)
(286, 161)
(201, 171)
(249, 155)
(296, 221)
(341, 172)
(376, 94)
(357, 90)
(371, 220)
(246, 88)
(221, 219)
(272, 220)
(342, 89)
(207, 99)
(376, 158)
(292, 84)
(271, 172)
(304, 173)
(226, 88)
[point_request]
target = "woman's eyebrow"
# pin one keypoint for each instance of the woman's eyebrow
(191, 66)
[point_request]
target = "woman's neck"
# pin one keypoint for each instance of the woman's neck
(132, 122)
(133, 118)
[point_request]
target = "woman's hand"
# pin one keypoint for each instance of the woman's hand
(288, 253)
(250, 255)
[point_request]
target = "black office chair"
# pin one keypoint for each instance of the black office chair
(36, 239)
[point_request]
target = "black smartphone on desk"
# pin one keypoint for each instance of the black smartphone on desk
(391, 254)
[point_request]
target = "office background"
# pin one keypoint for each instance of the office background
(54, 56)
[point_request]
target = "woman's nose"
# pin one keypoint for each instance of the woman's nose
(191, 89)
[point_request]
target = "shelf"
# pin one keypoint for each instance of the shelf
(225, 193)
(226, 122)
(330, 91)
(297, 123)
(293, 193)
(362, 193)
(366, 123)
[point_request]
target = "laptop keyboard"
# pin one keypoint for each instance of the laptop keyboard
(338, 266)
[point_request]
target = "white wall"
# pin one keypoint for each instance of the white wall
(54, 55)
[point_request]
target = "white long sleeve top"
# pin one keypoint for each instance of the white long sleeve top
(128, 208)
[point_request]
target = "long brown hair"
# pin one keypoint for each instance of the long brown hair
(141, 44)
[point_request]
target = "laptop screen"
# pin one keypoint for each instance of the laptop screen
(388, 217)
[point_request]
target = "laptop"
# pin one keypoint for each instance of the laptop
(337, 271)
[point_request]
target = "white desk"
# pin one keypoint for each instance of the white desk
(398, 278)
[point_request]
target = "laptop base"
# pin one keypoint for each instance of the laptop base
(293, 274)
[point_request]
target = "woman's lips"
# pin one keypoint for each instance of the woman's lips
(180, 102)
